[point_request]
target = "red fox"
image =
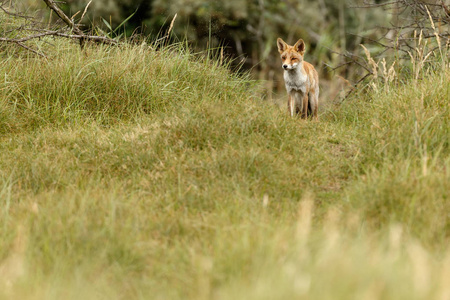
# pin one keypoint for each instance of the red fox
(301, 80)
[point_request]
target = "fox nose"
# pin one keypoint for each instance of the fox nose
(285, 66)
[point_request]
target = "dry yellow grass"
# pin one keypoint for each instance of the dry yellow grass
(125, 177)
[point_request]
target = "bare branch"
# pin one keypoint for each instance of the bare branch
(37, 29)
(60, 34)
(372, 5)
(354, 59)
(355, 85)
(429, 19)
(14, 14)
(84, 12)
(52, 5)
(30, 49)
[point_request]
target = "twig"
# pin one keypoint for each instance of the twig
(353, 60)
(373, 5)
(14, 14)
(84, 12)
(416, 16)
(40, 32)
(60, 34)
(379, 43)
(170, 29)
(52, 5)
(30, 49)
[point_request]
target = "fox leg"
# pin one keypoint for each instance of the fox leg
(313, 105)
(294, 103)
(304, 107)
(291, 105)
(315, 109)
(298, 103)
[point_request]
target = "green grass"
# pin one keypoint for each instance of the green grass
(131, 173)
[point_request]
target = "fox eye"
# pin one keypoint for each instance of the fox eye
(283, 57)
(294, 58)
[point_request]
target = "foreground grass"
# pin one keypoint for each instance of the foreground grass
(134, 173)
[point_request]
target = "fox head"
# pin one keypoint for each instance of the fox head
(292, 56)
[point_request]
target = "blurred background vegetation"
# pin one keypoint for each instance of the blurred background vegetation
(247, 30)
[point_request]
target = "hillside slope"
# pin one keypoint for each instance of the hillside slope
(131, 173)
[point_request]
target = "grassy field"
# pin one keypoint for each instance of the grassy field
(131, 173)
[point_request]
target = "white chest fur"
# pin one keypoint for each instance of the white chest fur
(296, 79)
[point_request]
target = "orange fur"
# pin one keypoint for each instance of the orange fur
(301, 79)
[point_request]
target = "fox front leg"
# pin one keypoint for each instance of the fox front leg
(296, 104)
(293, 108)
(291, 105)
(304, 107)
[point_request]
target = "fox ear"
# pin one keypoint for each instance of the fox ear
(300, 46)
(282, 46)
